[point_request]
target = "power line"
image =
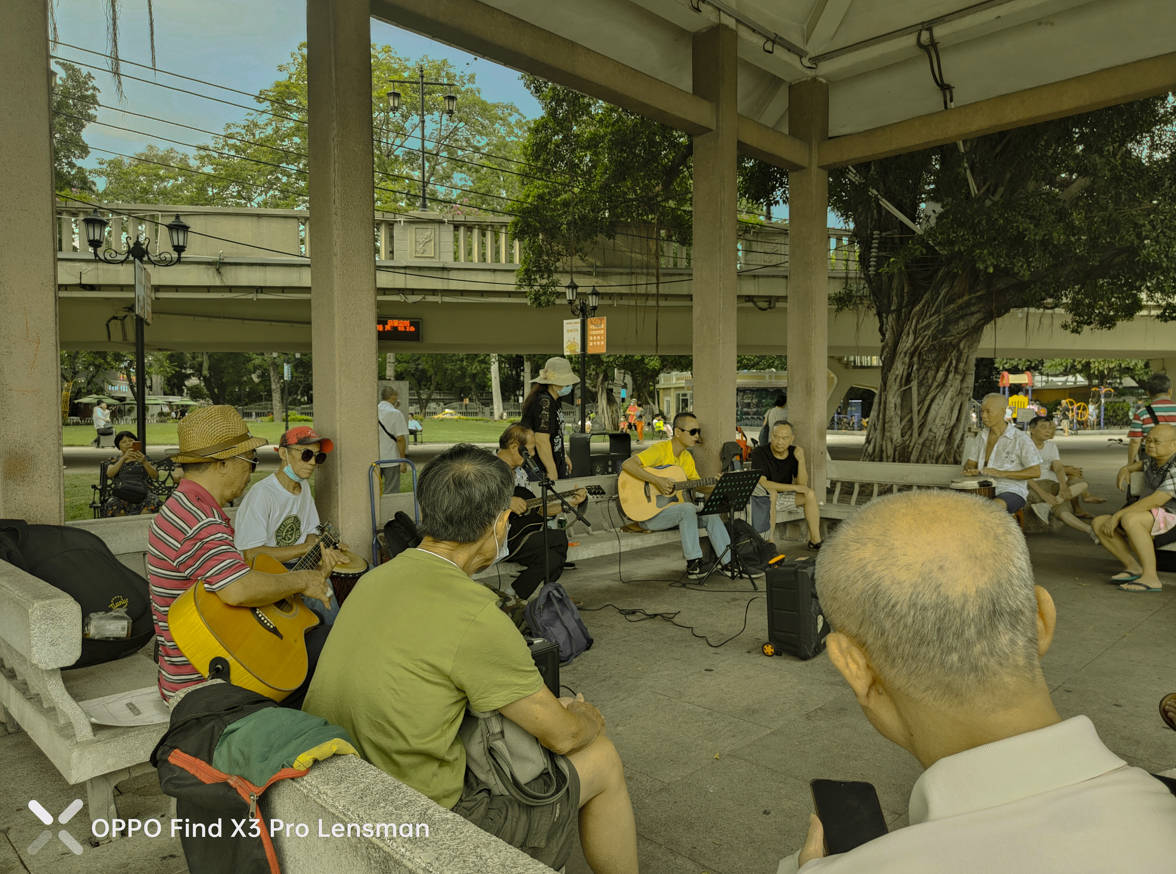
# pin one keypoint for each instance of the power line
(301, 172)
(301, 107)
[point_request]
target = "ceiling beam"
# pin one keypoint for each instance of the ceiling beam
(771, 146)
(493, 34)
(824, 19)
(1114, 85)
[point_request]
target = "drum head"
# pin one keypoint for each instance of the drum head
(355, 564)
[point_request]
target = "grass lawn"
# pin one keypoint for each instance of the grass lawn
(436, 431)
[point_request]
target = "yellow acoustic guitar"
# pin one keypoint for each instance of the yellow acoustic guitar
(264, 647)
(641, 500)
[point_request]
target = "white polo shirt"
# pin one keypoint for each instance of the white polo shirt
(1014, 450)
(1051, 801)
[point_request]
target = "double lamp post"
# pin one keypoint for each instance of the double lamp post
(140, 252)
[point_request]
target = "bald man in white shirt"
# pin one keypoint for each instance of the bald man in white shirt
(939, 633)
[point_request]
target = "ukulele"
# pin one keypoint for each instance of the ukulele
(641, 500)
(264, 647)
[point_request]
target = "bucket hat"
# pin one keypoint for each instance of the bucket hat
(557, 371)
(213, 434)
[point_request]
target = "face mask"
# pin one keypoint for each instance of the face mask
(565, 391)
(289, 471)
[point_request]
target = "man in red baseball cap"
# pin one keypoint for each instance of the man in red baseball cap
(278, 516)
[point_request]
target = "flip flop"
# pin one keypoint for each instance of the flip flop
(1139, 588)
(1083, 515)
(1090, 499)
(1124, 577)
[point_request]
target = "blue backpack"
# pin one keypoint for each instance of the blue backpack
(552, 616)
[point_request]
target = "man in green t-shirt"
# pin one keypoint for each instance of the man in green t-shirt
(682, 515)
(419, 641)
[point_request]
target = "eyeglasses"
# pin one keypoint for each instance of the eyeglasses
(693, 432)
(319, 457)
(252, 461)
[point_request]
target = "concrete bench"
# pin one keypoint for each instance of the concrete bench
(346, 791)
(41, 633)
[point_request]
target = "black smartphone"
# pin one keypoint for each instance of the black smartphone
(849, 811)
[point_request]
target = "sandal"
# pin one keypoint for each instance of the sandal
(1139, 588)
(1124, 577)
(815, 546)
(1083, 515)
(1168, 710)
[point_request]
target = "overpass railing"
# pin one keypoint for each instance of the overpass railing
(277, 234)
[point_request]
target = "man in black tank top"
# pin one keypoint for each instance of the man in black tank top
(784, 473)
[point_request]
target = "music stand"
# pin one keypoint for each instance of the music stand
(730, 495)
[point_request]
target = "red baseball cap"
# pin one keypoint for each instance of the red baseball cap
(304, 434)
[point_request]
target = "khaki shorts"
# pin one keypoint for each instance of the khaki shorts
(546, 833)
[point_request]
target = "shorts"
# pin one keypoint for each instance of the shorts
(546, 833)
(1012, 501)
(1163, 529)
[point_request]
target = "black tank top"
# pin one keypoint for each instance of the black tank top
(778, 470)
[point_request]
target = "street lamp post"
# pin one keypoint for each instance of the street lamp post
(583, 308)
(140, 252)
(450, 108)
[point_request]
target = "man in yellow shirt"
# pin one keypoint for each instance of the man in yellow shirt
(684, 515)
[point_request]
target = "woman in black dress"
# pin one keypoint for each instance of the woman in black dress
(541, 413)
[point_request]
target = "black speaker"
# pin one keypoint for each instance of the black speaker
(796, 624)
(546, 656)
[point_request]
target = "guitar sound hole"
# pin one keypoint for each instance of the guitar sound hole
(285, 607)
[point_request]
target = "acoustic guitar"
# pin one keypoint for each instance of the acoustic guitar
(641, 500)
(265, 647)
(528, 523)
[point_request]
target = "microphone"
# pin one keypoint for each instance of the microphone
(530, 465)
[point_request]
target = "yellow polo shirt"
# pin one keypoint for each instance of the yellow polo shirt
(661, 454)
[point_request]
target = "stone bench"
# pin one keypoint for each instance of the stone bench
(40, 634)
(347, 791)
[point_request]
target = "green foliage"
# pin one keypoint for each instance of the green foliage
(603, 167)
(74, 104)
(87, 370)
(1098, 371)
(262, 161)
(1116, 414)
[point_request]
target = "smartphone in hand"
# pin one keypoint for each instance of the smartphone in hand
(137, 446)
(849, 811)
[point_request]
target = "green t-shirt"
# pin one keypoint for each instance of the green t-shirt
(415, 640)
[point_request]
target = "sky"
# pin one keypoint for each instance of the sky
(238, 43)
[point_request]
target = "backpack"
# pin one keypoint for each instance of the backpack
(552, 616)
(400, 533)
(80, 564)
(752, 551)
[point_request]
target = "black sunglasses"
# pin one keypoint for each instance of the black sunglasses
(308, 454)
(693, 432)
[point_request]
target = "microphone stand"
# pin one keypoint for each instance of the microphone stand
(546, 487)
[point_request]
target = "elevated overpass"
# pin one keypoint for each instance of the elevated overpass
(244, 285)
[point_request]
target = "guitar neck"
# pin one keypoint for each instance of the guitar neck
(695, 483)
(314, 555)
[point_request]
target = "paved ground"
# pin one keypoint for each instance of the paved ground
(720, 743)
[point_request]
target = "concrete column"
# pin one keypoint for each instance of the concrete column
(30, 388)
(343, 270)
(808, 279)
(1163, 365)
(714, 266)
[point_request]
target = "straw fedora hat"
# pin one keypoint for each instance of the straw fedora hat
(557, 371)
(213, 434)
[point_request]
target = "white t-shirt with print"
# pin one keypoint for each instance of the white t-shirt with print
(271, 516)
(1049, 454)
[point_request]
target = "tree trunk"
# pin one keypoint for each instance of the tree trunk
(275, 375)
(495, 386)
(922, 411)
(390, 366)
(526, 375)
(604, 418)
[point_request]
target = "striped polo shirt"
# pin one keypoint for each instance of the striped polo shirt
(190, 539)
(1142, 421)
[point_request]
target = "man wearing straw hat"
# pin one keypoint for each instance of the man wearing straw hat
(542, 415)
(191, 538)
